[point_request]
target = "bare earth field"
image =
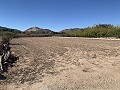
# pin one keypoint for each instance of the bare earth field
(57, 63)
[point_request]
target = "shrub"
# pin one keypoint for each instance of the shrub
(6, 36)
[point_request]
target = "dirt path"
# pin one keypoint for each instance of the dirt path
(64, 64)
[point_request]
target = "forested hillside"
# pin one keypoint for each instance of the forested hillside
(101, 30)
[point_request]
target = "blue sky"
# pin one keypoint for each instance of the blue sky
(58, 14)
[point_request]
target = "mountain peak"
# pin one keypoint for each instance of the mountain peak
(39, 30)
(33, 29)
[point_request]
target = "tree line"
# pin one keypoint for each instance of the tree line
(96, 31)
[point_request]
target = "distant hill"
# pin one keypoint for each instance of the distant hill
(9, 29)
(38, 30)
(69, 30)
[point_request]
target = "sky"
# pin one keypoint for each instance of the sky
(58, 15)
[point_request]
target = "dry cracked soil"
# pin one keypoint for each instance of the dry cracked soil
(60, 63)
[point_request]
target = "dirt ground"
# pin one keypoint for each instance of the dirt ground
(57, 63)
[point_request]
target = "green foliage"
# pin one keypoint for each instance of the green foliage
(101, 30)
(6, 36)
(96, 31)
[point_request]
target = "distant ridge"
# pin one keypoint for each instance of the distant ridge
(9, 29)
(72, 29)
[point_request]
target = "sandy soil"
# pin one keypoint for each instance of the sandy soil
(54, 63)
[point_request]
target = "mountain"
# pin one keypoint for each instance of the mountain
(38, 30)
(9, 29)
